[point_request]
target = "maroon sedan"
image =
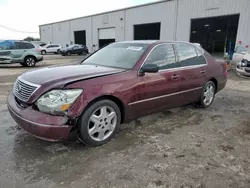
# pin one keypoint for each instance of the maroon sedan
(120, 82)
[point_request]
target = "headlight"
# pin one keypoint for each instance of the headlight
(243, 63)
(58, 101)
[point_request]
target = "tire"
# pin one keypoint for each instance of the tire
(207, 95)
(103, 127)
(43, 52)
(68, 53)
(30, 61)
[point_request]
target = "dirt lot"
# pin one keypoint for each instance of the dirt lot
(183, 147)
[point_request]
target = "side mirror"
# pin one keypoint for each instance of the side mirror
(150, 68)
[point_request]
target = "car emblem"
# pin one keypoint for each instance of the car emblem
(19, 88)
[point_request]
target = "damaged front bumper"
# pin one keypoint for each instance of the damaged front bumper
(38, 124)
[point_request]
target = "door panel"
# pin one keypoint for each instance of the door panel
(194, 71)
(193, 80)
(159, 90)
(5, 55)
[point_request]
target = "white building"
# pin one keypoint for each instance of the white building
(209, 22)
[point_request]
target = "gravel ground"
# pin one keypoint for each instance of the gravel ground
(182, 147)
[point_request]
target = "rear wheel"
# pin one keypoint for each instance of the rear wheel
(43, 52)
(208, 93)
(99, 123)
(30, 61)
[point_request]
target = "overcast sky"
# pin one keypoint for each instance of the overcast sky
(26, 15)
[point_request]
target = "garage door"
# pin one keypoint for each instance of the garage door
(106, 36)
(108, 33)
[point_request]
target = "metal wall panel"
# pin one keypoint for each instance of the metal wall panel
(46, 33)
(108, 20)
(162, 12)
(61, 33)
(191, 9)
(175, 17)
(82, 24)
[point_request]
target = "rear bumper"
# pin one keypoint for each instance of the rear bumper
(39, 58)
(38, 124)
(221, 85)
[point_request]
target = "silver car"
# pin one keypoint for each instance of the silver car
(243, 67)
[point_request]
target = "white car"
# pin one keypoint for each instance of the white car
(241, 60)
(51, 48)
(239, 53)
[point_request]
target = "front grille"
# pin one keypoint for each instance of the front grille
(23, 90)
(248, 71)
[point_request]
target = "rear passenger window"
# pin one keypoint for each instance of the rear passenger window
(28, 46)
(163, 56)
(20, 45)
(201, 57)
(187, 55)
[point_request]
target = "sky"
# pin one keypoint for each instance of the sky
(27, 15)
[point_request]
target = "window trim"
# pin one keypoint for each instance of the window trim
(176, 57)
(196, 50)
(144, 61)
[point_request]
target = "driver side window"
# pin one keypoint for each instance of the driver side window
(162, 55)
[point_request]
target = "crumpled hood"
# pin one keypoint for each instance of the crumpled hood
(247, 57)
(66, 74)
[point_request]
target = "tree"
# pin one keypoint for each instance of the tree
(31, 39)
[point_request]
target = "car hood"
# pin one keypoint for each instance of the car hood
(67, 74)
(247, 56)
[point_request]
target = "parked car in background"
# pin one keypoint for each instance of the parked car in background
(239, 54)
(51, 48)
(74, 49)
(39, 43)
(243, 67)
(25, 53)
(120, 82)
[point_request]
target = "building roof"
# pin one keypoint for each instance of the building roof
(126, 8)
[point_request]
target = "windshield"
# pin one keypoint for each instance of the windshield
(120, 55)
(72, 46)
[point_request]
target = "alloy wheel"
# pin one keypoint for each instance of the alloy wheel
(102, 123)
(209, 94)
(30, 62)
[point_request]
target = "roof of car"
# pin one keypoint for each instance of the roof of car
(139, 41)
(155, 41)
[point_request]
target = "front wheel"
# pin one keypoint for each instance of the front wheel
(99, 123)
(208, 93)
(30, 61)
(43, 52)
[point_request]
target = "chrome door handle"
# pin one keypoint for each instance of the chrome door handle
(175, 77)
(203, 72)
